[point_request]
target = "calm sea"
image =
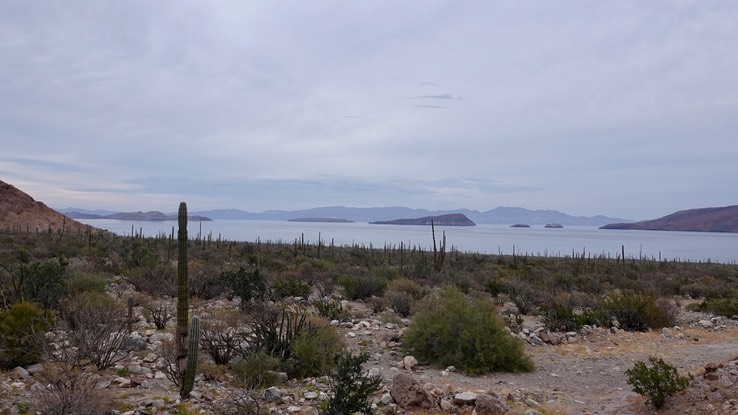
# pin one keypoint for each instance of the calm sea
(490, 239)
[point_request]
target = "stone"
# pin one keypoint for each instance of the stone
(446, 405)
(310, 395)
(465, 398)
(20, 373)
(272, 394)
(535, 340)
(35, 368)
(386, 399)
(409, 362)
(706, 324)
(408, 393)
(490, 404)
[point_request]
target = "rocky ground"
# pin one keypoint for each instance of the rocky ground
(576, 373)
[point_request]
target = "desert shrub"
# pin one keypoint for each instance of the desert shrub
(359, 287)
(330, 309)
(351, 389)
(563, 318)
(449, 329)
(156, 280)
(638, 312)
(159, 313)
(42, 282)
(256, 371)
(376, 304)
(289, 287)
(69, 390)
(218, 336)
(720, 306)
(401, 294)
(315, 349)
(238, 402)
(400, 302)
(274, 332)
(96, 326)
(21, 334)
(656, 381)
(245, 282)
(523, 295)
(82, 281)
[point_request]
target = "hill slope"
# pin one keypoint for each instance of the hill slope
(19, 212)
(713, 219)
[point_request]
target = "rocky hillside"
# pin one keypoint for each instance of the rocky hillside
(714, 219)
(19, 212)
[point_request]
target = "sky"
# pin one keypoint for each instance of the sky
(622, 108)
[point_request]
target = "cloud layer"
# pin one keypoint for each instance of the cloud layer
(614, 107)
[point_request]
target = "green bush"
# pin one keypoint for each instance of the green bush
(350, 387)
(21, 335)
(289, 287)
(401, 295)
(359, 287)
(246, 283)
(82, 282)
(656, 381)
(315, 349)
(563, 318)
(330, 309)
(720, 306)
(449, 329)
(256, 371)
(639, 312)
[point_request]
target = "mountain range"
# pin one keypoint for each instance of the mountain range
(499, 215)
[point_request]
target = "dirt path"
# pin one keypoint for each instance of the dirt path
(588, 376)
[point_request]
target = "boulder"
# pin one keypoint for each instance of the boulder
(408, 393)
(465, 398)
(409, 362)
(490, 404)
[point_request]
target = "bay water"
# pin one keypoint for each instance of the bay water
(488, 239)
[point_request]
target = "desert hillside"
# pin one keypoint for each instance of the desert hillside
(713, 219)
(20, 212)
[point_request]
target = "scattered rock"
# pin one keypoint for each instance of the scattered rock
(490, 404)
(408, 393)
(465, 398)
(409, 362)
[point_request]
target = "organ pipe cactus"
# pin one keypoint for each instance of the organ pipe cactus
(182, 296)
(192, 350)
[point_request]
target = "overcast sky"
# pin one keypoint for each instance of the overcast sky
(621, 108)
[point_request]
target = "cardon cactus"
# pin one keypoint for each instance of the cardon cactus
(192, 350)
(182, 296)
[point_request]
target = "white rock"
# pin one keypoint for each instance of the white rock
(409, 362)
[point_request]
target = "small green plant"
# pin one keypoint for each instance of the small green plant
(450, 329)
(359, 287)
(656, 381)
(720, 306)
(289, 287)
(315, 349)
(82, 281)
(256, 371)
(330, 309)
(350, 387)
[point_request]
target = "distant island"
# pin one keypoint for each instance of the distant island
(553, 226)
(320, 220)
(451, 219)
(137, 216)
(520, 225)
(713, 219)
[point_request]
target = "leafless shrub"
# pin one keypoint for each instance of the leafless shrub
(159, 313)
(69, 390)
(239, 402)
(95, 326)
(219, 338)
(376, 304)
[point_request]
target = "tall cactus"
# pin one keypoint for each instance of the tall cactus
(192, 350)
(182, 293)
